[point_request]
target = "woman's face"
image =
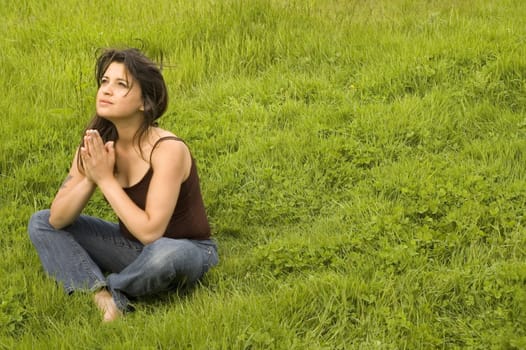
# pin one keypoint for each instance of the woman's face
(119, 95)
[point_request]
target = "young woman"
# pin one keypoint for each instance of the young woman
(162, 240)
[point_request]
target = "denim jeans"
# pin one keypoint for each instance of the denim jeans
(91, 254)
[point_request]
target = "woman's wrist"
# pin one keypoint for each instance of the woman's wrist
(106, 183)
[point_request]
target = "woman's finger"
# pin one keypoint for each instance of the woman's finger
(83, 152)
(95, 143)
(86, 144)
(97, 139)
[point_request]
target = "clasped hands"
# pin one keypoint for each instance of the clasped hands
(98, 158)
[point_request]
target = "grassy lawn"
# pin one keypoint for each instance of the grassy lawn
(362, 163)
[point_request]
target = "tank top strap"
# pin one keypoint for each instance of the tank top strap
(163, 139)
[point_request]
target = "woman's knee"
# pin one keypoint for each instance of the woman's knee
(179, 254)
(40, 217)
(37, 222)
(160, 251)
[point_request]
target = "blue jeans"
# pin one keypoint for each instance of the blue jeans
(91, 254)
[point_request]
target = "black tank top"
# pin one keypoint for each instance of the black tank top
(189, 219)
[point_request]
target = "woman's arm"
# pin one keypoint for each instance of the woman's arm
(171, 162)
(71, 198)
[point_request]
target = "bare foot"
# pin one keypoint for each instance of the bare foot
(105, 303)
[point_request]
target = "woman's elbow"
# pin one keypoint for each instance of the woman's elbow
(148, 238)
(57, 222)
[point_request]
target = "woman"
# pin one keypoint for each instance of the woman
(149, 178)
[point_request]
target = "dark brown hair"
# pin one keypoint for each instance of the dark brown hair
(153, 87)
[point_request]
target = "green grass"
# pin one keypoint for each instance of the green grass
(362, 163)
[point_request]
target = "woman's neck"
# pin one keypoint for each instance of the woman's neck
(127, 133)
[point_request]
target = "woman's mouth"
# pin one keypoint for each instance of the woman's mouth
(104, 102)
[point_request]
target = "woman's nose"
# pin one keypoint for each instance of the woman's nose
(106, 89)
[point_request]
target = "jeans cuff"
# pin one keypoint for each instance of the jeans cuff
(122, 301)
(70, 288)
(97, 285)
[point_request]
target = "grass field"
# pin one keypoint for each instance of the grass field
(362, 163)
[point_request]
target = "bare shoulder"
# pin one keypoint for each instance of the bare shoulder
(160, 137)
(170, 152)
(167, 145)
